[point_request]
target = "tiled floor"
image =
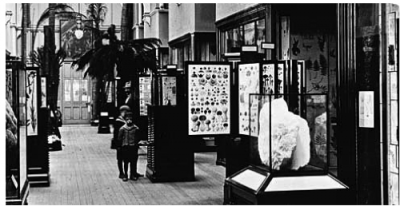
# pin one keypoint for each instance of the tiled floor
(85, 172)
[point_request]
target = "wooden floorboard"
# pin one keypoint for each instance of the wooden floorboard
(85, 173)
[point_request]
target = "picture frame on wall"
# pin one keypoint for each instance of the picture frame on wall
(32, 102)
(70, 43)
(209, 98)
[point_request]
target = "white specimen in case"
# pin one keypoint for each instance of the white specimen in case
(290, 137)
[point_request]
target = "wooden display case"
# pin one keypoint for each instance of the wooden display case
(17, 185)
(169, 153)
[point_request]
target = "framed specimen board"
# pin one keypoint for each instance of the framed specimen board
(273, 77)
(249, 83)
(144, 94)
(209, 98)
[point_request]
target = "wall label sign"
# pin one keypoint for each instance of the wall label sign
(366, 109)
(266, 45)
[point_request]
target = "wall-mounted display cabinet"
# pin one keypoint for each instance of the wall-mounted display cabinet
(17, 185)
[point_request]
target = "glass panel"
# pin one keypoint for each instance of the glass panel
(31, 101)
(22, 129)
(84, 90)
(169, 90)
(234, 39)
(229, 40)
(67, 90)
(250, 179)
(43, 84)
(261, 34)
(249, 80)
(12, 173)
(249, 34)
(303, 183)
(297, 142)
(180, 57)
(75, 90)
(9, 87)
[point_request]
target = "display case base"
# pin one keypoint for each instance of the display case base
(104, 129)
(176, 175)
(23, 197)
(39, 179)
(256, 186)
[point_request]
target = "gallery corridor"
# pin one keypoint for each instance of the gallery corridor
(85, 172)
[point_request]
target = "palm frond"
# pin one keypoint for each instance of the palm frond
(83, 60)
(97, 12)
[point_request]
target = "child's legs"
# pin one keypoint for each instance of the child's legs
(134, 158)
(126, 166)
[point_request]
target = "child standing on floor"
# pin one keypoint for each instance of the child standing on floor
(129, 138)
(119, 122)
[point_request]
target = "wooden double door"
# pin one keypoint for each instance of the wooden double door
(74, 96)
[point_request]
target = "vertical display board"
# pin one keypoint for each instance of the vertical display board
(144, 94)
(168, 90)
(43, 92)
(32, 102)
(273, 80)
(249, 83)
(209, 98)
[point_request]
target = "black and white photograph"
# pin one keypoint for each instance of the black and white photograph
(201, 103)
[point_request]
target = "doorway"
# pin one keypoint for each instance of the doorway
(74, 96)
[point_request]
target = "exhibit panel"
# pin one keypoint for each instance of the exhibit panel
(249, 83)
(144, 94)
(168, 90)
(209, 98)
(32, 101)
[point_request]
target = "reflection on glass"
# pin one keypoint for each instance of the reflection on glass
(84, 90)
(297, 142)
(31, 101)
(67, 90)
(22, 129)
(169, 90)
(261, 33)
(249, 34)
(75, 90)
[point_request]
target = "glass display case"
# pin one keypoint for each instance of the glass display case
(289, 141)
(209, 98)
(291, 155)
(268, 77)
(17, 185)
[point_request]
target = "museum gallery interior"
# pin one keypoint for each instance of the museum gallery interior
(299, 102)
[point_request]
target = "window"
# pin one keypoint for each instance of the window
(181, 53)
(260, 34)
(249, 34)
